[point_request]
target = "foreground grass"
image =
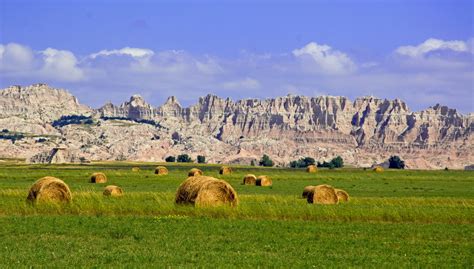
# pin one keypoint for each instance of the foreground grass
(195, 242)
(262, 207)
(394, 219)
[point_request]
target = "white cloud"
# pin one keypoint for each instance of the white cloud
(133, 52)
(327, 59)
(431, 45)
(60, 65)
(15, 57)
(243, 84)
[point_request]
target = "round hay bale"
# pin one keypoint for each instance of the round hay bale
(135, 169)
(49, 189)
(206, 191)
(250, 179)
(98, 178)
(342, 195)
(161, 171)
(112, 190)
(323, 194)
(263, 181)
(378, 169)
(307, 190)
(225, 170)
(311, 169)
(194, 172)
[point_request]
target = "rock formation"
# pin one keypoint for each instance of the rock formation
(364, 132)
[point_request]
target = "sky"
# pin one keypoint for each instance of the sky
(418, 51)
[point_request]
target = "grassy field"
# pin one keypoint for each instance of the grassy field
(394, 219)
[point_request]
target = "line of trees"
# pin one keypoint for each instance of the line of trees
(185, 158)
(72, 119)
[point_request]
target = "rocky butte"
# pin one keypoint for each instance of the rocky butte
(365, 131)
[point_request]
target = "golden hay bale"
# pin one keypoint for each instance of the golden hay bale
(98, 178)
(250, 179)
(342, 195)
(307, 190)
(49, 189)
(378, 169)
(112, 190)
(161, 170)
(194, 172)
(225, 170)
(311, 169)
(206, 191)
(264, 181)
(323, 194)
(135, 169)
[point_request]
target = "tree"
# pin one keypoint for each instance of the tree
(266, 161)
(396, 163)
(338, 162)
(201, 159)
(303, 162)
(170, 159)
(184, 158)
(252, 162)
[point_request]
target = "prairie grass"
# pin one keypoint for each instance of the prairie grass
(394, 219)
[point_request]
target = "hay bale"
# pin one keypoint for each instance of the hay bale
(112, 190)
(378, 169)
(342, 195)
(250, 179)
(194, 172)
(225, 170)
(206, 191)
(323, 194)
(135, 169)
(161, 171)
(307, 190)
(49, 189)
(98, 178)
(311, 169)
(263, 181)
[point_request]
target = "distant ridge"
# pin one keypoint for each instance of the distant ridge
(364, 131)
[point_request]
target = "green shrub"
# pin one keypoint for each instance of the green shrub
(201, 159)
(396, 162)
(266, 161)
(170, 159)
(184, 158)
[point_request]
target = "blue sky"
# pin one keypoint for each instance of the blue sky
(419, 51)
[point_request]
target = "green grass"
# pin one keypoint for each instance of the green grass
(394, 219)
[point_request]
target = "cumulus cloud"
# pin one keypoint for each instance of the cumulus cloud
(15, 57)
(431, 45)
(243, 84)
(327, 59)
(60, 64)
(132, 52)
(311, 70)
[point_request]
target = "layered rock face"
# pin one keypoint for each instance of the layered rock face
(365, 131)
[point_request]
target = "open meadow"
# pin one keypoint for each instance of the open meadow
(393, 219)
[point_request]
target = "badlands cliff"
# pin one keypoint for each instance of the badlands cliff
(364, 131)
